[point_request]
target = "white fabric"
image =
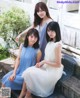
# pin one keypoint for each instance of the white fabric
(41, 81)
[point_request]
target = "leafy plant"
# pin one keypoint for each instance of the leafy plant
(13, 22)
(3, 53)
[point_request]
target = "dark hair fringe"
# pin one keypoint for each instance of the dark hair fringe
(36, 34)
(53, 26)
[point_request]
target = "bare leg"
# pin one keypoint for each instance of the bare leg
(23, 91)
(28, 95)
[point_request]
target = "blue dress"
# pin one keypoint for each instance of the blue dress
(27, 59)
(42, 35)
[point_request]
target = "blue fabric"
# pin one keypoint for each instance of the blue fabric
(28, 59)
(43, 41)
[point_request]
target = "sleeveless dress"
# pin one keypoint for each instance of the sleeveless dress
(27, 59)
(41, 81)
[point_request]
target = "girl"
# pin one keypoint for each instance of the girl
(41, 79)
(41, 19)
(29, 54)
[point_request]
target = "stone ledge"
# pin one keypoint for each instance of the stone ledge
(9, 61)
(5, 67)
(14, 52)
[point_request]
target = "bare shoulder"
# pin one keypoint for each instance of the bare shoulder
(59, 45)
(49, 20)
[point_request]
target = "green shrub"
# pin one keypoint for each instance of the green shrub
(13, 22)
(3, 53)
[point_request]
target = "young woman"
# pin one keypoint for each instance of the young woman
(29, 54)
(41, 79)
(41, 19)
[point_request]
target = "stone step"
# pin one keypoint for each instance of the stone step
(71, 87)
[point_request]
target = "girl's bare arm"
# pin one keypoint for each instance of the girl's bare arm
(23, 33)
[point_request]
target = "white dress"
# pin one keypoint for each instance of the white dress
(41, 81)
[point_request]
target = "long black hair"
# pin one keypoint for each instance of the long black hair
(29, 33)
(37, 19)
(53, 26)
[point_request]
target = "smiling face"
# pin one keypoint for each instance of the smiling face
(41, 13)
(32, 40)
